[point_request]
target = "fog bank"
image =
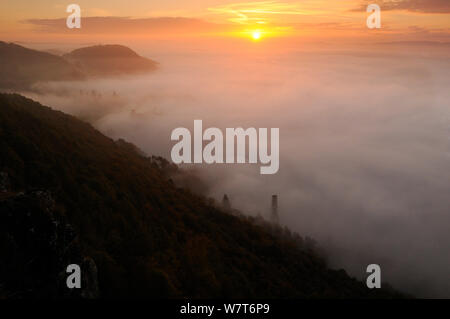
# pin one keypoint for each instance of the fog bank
(364, 144)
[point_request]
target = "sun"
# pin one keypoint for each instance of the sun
(256, 35)
(259, 33)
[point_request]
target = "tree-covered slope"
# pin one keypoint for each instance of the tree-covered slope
(146, 237)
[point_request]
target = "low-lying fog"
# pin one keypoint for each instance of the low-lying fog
(364, 145)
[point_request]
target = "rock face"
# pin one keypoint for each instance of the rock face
(89, 280)
(4, 182)
(37, 246)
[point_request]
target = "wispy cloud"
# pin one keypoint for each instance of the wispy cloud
(423, 6)
(256, 12)
(121, 25)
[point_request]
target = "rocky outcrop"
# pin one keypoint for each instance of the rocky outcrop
(37, 245)
(4, 182)
(89, 284)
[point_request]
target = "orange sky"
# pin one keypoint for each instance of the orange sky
(408, 20)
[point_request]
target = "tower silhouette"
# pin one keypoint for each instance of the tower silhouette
(274, 213)
(226, 203)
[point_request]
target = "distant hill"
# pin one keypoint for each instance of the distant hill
(21, 67)
(70, 194)
(108, 60)
(55, 52)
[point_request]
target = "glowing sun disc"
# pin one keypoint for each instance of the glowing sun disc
(256, 35)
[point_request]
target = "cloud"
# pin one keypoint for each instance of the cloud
(257, 12)
(127, 25)
(423, 6)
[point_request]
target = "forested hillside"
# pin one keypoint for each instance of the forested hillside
(137, 232)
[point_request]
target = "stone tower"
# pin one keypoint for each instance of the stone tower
(274, 212)
(226, 203)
